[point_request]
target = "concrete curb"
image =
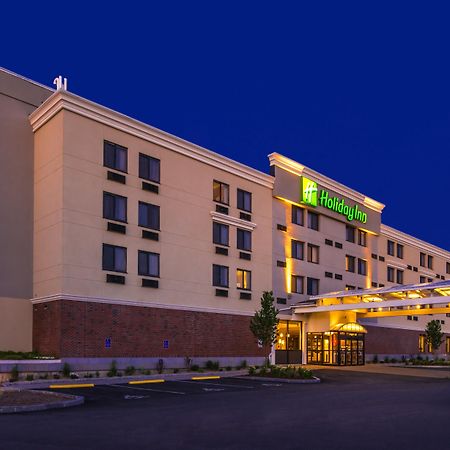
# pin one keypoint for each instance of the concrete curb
(312, 380)
(75, 400)
(45, 384)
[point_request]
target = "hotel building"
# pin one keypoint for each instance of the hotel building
(122, 240)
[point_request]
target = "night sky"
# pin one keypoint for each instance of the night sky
(357, 91)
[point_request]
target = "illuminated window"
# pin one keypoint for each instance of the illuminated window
(390, 274)
(312, 286)
(390, 248)
(349, 288)
(149, 168)
(298, 215)
(243, 279)
(115, 156)
(313, 221)
(221, 192)
(313, 253)
(297, 249)
(148, 216)
(244, 200)
(220, 234)
(114, 258)
(350, 233)
(297, 284)
(220, 276)
(362, 266)
(447, 344)
(400, 251)
(362, 238)
(422, 341)
(114, 207)
(148, 264)
(244, 240)
(350, 263)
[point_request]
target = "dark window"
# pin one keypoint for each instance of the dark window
(148, 216)
(149, 168)
(349, 263)
(350, 233)
(281, 227)
(313, 253)
(422, 259)
(328, 242)
(220, 276)
(399, 276)
(374, 256)
(243, 279)
(115, 156)
(244, 240)
(338, 245)
(390, 274)
(362, 266)
(447, 267)
(400, 251)
(281, 300)
(390, 247)
(148, 264)
(362, 238)
(423, 279)
(114, 258)
(381, 258)
(430, 262)
(114, 207)
(244, 200)
(297, 284)
(221, 192)
(313, 221)
(328, 274)
(338, 276)
(349, 288)
(298, 215)
(220, 234)
(312, 286)
(297, 249)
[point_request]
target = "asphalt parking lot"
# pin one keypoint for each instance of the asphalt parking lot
(346, 411)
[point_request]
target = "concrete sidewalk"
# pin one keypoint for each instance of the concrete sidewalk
(386, 369)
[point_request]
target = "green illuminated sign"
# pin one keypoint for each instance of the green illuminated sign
(310, 196)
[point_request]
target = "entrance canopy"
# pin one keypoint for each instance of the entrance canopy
(349, 327)
(399, 300)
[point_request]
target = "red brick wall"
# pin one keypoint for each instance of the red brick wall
(67, 328)
(392, 341)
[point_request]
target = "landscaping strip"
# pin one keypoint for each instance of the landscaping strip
(283, 380)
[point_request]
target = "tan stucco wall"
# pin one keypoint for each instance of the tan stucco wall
(16, 324)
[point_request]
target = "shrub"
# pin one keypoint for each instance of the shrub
(97, 373)
(112, 372)
(212, 365)
(130, 370)
(175, 370)
(160, 365)
(66, 370)
(44, 376)
(195, 367)
(243, 364)
(146, 372)
(375, 359)
(228, 368)
(187, 362)
(56, 376)
(14, 373)
(29, 377)
(251, 370)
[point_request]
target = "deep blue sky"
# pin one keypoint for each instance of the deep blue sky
(358, 91)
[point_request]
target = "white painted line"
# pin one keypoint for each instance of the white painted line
(271, 384)
(147, 389)
(216, 384)
(213, 389)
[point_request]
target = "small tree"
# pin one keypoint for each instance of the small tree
(434, 334)
(264, 323)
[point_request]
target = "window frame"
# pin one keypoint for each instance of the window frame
(219, 284)
(116, 148)
(308, 286)
(312, 214)
(294, 242)
(310, 253)
(218, 225)
(115, 197)
(390, 270)
(350, 234)
(150, 159)
(114, 247)
(301, 214)
(242, 207)
(390, 247)
(400, 251)
(352, 259)
(362, 263)
(362, 238)
(147, 253)
(249, 273)
(157, 207)
(294, 279)
(242, 232)
(221, 186)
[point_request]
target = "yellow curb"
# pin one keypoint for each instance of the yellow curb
(69, 386)
(146, 381)
(206, 378)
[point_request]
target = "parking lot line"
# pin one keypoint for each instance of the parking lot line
(70, 386)
(146, 381)
(164, 391)
(217, 384)
(212, 377)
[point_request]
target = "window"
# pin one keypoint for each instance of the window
(349, 263)
(297, 215)
(114, 207)
(243, 279)
(400, 251)
(422, 341)
(430, 262)
(244, 200)
(349, 288)
(349, 233)
(313, 253)
(312, 286)
(115, 156)
(244, 240)
(220, 234)
(313, 221)
(148, 216)
(148, 264)
(399, 276)
(329, 242)
(447, 267)
(297, 284)
(447, 344)
(422, 259)
(362, 238)
(221, 192)
(362, 266)
(114, 258)
(220, 276)
(297, 249)
(390, 247)
(390, 274)
(149, 168)
(423, 279)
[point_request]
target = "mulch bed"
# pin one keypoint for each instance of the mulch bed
(22, 398)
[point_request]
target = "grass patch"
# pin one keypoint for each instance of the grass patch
(9, 354)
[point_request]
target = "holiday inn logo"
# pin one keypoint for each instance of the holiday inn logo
(312, 196)
(309, 191)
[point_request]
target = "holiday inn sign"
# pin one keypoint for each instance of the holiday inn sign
(312, 196)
